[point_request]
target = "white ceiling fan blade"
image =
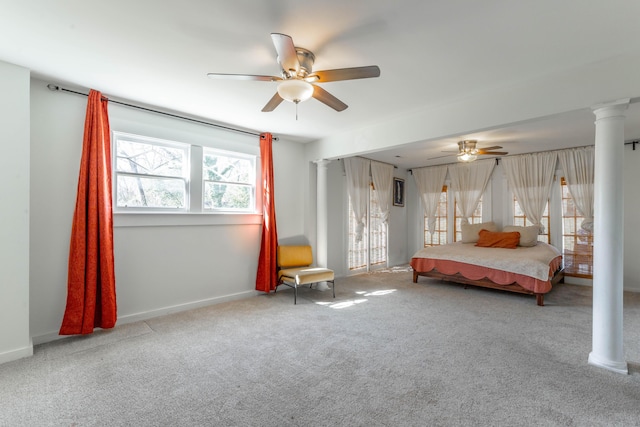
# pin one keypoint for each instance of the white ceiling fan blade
(243, 77)
(287, 56)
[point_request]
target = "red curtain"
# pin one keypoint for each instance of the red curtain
(267, 277)
(91, 283)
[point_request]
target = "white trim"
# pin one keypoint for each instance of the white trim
(185, 148)
(253, 182)
(193, 176)
(20, 353)
(631, 289)
(619, 367)
(136, 317)
(159, 219)
(146, 315)
(580, 281)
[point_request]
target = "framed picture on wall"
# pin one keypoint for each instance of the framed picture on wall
(398, 192)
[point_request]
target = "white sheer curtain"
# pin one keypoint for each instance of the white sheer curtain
(429, 181)
(578, 166)
(468, 181)
(382, 174)
(357, 170)
(530, 177)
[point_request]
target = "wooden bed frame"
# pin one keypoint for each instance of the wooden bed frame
(486, 283)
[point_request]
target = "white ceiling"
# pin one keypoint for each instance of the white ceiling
(430, 53)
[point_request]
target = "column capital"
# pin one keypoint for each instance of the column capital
(322, 162)
(611, 109)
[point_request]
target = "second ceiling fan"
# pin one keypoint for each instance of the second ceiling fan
(297, 82)
(468, 151)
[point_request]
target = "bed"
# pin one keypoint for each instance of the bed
(533, 269)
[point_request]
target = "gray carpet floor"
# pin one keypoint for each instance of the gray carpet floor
(385, 352)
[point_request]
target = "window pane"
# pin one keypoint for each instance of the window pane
(154, 173)
(374, 238)
(227, 169)
(227, 196)
(439, 236)
(476, 218)
(378, 231)
(577, 243)
(520, 219)
(357, 251)
(150, 159)
(140, 191)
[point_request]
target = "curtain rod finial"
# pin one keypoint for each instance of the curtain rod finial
(53, 87)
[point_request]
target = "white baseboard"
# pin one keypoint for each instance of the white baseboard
(137, 317)
(578, 281)
(10, 356)
(632, 289)
(589, 282)
(130, 318)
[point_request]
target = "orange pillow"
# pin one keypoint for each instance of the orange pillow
(495, 239)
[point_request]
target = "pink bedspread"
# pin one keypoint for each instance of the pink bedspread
(422, 263)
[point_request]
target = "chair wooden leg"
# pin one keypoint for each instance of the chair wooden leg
(333, 286)
(295, 294)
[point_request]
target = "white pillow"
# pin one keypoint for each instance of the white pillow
(528, 235)
(470, 231)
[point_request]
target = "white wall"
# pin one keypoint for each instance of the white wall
(182, 261)
(15, 340)
(398, 231)
(336, 206)
(338, 227)
(546, 95)
(163, 268)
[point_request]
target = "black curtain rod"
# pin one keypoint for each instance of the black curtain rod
(379, 161)
(175, 116)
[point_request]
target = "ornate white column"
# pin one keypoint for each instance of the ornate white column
(607, 351)
(322, 228)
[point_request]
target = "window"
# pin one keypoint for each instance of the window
(377, 232)
(165, 176)
(151, 173)
(372, 249)
(229, 181)
(577, 244)
(476, 218)
(357, 251)
(439, 236)
(520, 219)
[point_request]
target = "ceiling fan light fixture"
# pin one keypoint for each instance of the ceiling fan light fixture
(294, 90)
(468, 151)
(467, 157)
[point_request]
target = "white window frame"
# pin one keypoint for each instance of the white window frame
(366, 237)
(447, 219)
(555, 209)
(487, 201)
(193, 214)
(251, 182)
(185, 178)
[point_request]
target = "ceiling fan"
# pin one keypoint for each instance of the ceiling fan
(297, 81)
(468, 151)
